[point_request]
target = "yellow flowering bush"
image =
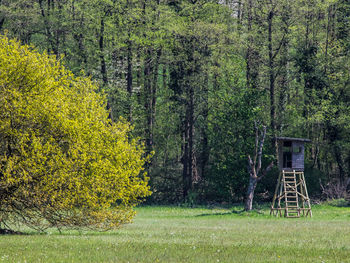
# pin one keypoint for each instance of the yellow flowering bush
(62, 162)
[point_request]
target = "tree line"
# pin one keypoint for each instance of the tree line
(194, 76)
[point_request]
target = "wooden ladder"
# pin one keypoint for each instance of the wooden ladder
(291, 195)
(291, 188)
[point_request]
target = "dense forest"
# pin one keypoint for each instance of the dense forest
(194, 77)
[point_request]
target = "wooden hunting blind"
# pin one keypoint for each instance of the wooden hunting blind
(291, 196)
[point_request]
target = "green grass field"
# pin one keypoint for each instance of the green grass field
(175, 234)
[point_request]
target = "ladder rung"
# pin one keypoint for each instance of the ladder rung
(292, 201)
(289, 177)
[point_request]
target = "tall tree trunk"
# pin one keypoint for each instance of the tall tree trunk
(155, 85)
(103, 65)
(307, 84)
(204, 130)
(151, 68)
(78, 37)
(283, 69)
(129, 78)
(102, 55)
(191, 157)
(148, 99)
(188, 158)
(139, 74)
(333, 136)
(2, 20)
(272, 82)
(249, 54)
(49, 34)
(239, 15)
(184, 160)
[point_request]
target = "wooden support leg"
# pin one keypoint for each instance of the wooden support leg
(275, 196)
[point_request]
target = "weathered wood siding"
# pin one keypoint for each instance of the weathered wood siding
(298, 158)
(280, 155)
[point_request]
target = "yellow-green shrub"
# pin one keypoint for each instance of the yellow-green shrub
(62, 162)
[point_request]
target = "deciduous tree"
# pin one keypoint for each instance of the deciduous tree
(62, 162)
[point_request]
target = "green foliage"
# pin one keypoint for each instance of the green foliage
(62, 162)
(200, 73)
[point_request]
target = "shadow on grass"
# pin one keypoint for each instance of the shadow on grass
(234, 212)
(214, 214)
(11, 232)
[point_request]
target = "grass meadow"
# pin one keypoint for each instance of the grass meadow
(177, 234)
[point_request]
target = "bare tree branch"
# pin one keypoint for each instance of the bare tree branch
(262, 139)
(268, 168)
(279, 46)
(256, 141)
(251, 163)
